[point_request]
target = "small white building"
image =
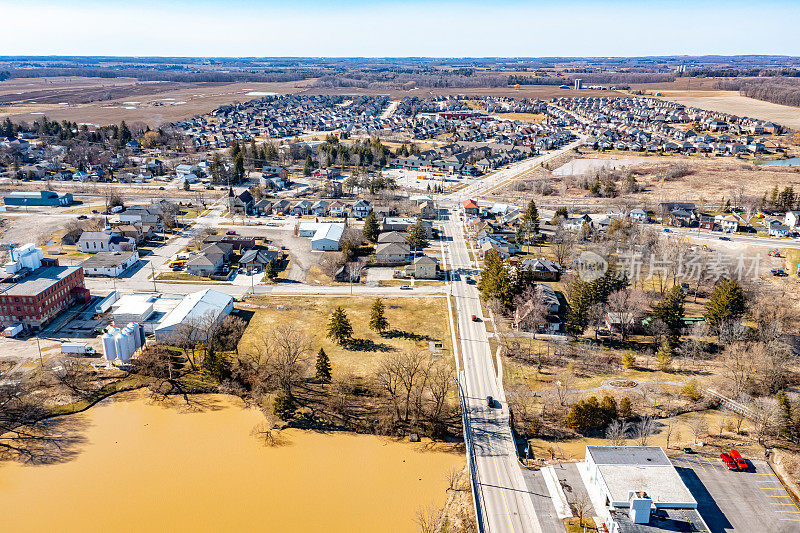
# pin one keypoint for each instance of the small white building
(634, 481)
(110, 264)
(325, 236)
(132, 308)
(638, 215)
(792, 219)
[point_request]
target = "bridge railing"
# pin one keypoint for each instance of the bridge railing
(477, 494)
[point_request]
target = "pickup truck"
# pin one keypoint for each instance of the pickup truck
(728, 460)
(741, 464)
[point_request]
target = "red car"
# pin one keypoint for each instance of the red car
(230, 232)
(474, 318)
(729, 462)
(741, 464)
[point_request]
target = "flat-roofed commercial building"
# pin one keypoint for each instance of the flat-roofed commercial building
(37, 298)
(40, 198)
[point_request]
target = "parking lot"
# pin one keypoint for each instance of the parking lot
(752, 501)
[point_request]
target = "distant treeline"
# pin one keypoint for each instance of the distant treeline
(460, 78)
(606, 78)
(785, 91)
(165, 75)
(740, 73)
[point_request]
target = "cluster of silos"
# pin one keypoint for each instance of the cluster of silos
(121, 344)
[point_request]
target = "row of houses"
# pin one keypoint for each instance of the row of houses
(652, 125)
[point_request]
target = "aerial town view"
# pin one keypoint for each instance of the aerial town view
(400, 266)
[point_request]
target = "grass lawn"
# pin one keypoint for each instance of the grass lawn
(412, 323)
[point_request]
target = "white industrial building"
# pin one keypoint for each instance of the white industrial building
(197, 308)
(27, 256)
(325, 236)
(635, 482)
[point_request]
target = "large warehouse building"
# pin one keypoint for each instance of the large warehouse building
(36, 298)
(41, 198)
(196, 309)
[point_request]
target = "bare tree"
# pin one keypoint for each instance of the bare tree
(562, 386)
(563, 245)
(644, 429)
(530, 309)
(698, 426)
(617, 432)
(629, 306)
(765, 411)
(428, 519)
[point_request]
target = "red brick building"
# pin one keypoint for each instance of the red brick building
(36, 299)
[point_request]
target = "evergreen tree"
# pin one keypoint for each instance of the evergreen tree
(238, 168)
(124, 134)
(283, 406)
(378, 321)
(308, 166)
(339, 328)
(417, 236)
(727, 302)
(323, 367)
(531, 219)
(579, 301)
(371, 228)
(670, 309)
(270, 271)
(664, 356)
(186, 186)
(495, 281)
(625, 410)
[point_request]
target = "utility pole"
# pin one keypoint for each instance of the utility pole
(41, 361)
(153, 275)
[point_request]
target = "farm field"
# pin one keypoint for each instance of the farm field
(732, 102)
(118, 99)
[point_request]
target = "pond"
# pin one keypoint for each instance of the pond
(782, 162)
(147, 466)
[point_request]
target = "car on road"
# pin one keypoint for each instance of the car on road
(724, 238)
(405, 287)
(230, 232)
(277, 218)
(270, 224)
(667, 230)
(475, 318)
(490, 401)
(82, 217)
(470, 280)
(161, 188)
(778, 272)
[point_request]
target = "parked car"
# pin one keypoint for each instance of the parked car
(490, 401)
(741, 464)
(724, 238)
(470, 280)
(161, 188)
(475, 318)
(82, 217)
(230, 232)
(778, 272)
(667, 230)
(405, 287)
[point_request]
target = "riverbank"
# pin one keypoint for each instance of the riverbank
(155, 466)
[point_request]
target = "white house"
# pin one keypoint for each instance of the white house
(638, 215)
(792, 219)
(361, 209)
(728, 223)
(92, 242)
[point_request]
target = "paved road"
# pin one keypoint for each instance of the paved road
(504, 497)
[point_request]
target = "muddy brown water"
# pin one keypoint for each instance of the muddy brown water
(145, 466)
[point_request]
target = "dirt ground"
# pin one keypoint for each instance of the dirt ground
(152, 103)
(709, 179)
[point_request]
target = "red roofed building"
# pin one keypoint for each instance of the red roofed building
(471, 208)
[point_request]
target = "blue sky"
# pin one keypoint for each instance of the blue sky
(392, 28)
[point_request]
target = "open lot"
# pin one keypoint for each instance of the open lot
(413, 322)
(111, 101)
(739, 501)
